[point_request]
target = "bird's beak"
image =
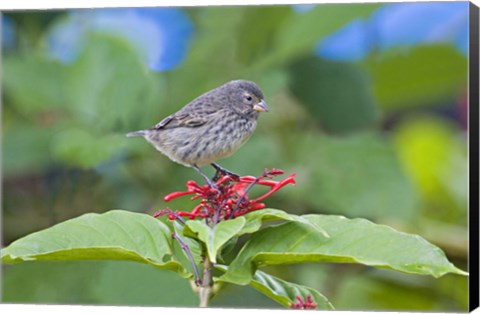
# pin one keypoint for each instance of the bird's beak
(261, 107)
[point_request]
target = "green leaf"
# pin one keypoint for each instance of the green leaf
(214, 238)
(285, 292)
(337, 94)
(351, 241)
(424, 75)
(282, 291)
(114, 235)
(254, 220)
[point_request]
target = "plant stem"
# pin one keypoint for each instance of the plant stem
(187, 251)
(205, 289)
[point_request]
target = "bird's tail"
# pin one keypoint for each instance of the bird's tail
(137, 133)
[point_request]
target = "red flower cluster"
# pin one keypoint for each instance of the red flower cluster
(229, 200)
(308, 304)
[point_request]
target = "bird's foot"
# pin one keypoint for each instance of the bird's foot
(221, 172)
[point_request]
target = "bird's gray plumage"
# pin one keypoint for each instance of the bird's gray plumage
(211, 127)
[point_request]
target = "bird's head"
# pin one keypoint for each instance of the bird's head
(246, 97)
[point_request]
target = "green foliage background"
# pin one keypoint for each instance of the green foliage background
(381, 139)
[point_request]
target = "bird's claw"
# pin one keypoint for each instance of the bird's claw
(223, 172)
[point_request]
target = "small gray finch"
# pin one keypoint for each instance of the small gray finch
(211, 127)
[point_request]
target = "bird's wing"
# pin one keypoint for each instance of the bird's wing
(186, 118)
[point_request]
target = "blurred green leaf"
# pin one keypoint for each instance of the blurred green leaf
(115, 235)
(358, 292)
(336, 94)
(424, 75)
(300, 32)
(127, 283)
(212, 61)
(79, 147)
(351, 241)
(25, 149)
(110, 88)
(400, 292)
(435, 156)
(257, 29)
(94, 282)
(50, 282)
(356, 175)
(34, 84)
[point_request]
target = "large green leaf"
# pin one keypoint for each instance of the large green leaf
(254, 220)
(285, 292)
(215, 238)
(115, 235)
(425, 75)
(351, 241)
(282, 291)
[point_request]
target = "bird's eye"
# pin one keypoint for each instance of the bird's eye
(248, 98)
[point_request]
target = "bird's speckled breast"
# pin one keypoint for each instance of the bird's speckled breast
(206, 144)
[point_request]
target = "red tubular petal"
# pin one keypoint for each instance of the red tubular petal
(247, 179)
(270, 183)
(193, 186)
(257, 206)
(197, 209)
(239, 188)
(288, 180)
(174, 195)
(224, 179)
(190, 215)
(230, 192)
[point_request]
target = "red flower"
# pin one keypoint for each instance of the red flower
(230, 201)
(308, 304)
